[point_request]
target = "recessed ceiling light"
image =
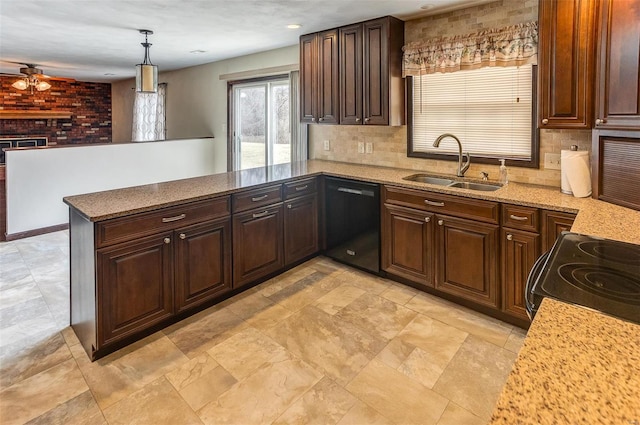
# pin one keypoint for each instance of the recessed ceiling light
(427, 6)
(197, 52)
(109, 73)
(294, 26)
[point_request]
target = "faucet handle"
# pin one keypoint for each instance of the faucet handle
(484, 175)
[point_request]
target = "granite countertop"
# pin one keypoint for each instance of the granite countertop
(575, 367)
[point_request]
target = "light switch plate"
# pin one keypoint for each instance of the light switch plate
(360, 147)
(368, 147)
(552, 161)
(326, 145)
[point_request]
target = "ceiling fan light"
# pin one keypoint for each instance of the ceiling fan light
(42, 86)
(22, 84)
(146, 78)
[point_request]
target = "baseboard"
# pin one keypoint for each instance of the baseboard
(36, 232)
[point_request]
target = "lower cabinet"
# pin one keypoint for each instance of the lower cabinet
(257, 244)
(467, 260)
(300, 228)
(554, 223)
(408, 244)
(519, 251)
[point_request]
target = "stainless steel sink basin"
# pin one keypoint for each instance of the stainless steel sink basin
(476, 186)
(424, 178)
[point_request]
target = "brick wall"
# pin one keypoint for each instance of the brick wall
(89, 104)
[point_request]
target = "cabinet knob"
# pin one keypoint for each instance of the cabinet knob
(289, 206)
(313, 119)
(167, 240)
(427, 219)
(320, 119)
(357, 119)
(183, 236)
(545, 121)
(440, 222)
(367, 119)
(509, 237)
(600, 121)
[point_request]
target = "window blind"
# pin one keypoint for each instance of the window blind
(488, 109)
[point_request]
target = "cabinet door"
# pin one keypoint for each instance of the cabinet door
(566, 62)
(300, 228)
(408, 244)
(467, 259)
(554, 223)
(519, 251)
(351, 74)
(328, 79)
(618, 69)
(257, 244)
(202, 262)
(376, 72)
(135, 287)
(308, 78)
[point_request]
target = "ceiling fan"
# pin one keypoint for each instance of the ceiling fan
(33, 77)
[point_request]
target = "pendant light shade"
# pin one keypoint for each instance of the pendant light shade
(146, 72)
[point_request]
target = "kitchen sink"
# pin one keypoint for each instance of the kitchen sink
(476, 186)
(424, 178)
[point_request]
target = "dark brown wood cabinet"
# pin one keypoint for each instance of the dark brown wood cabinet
(519, 252)
(408, 244)
(566, 54)
(135, 287)
(618, 66)
(300, 228)
(467, 260)
(554, 223)
(319, 94)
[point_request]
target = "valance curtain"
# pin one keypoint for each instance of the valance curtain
(509, 46)
(149, 115)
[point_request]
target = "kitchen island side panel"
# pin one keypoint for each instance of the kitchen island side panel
(83, 280)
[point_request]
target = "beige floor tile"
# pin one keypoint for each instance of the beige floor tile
(339, 348)
(338, 298)
(516, 340)
(33, 359)
(284, 280)
(156, 403)
(258, 310)
(361, 414)
(80, 410)
(399, 294)
(40, 393)
(263, 396)
(246, 351)
(456, 415)
(69, 336)
(359, 279)
(477, 324)
(191, 371)
(269, 317)
(246, 304)
(377, 316)
(207, 387)
(204, 330)
(324, 404)
(396, 396)
(475, 376)
(305, 291)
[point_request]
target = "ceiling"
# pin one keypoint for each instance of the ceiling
(98, 40)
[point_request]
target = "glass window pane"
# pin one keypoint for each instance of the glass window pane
(281, 130)
(251, 129)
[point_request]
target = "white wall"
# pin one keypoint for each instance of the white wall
(196, 99)
(38, 179)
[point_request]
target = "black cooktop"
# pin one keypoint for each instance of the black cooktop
(601, 274)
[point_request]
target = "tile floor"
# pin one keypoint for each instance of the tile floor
(322, 343)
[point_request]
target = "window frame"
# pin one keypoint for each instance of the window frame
(533, 162)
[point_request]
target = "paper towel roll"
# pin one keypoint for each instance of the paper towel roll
(575, 173)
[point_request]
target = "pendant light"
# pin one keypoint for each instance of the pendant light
(146, 72)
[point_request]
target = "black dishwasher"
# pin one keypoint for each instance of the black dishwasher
(352, 217)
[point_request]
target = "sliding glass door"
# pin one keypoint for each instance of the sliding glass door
(260, 123)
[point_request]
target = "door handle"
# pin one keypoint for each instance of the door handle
(259, 198)
(175, 218)
(260, 215)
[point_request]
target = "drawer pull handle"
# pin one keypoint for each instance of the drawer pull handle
(433, 203)
(518, 217)
(262, 214)
(302, 187)
(167, 240)
(259, 198)
(183, 236)
(176, 218)
(509, 237)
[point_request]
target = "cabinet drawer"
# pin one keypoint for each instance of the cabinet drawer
(144, 224)
(445, 204)
(299, 188)
(256, 198)
(519, 217)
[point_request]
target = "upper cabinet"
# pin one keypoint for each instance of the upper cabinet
(367, 87)
(566, 61)
(618, 65)
(319, 77)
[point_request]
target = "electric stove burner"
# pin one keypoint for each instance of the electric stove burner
(607, 250)
(602, 281)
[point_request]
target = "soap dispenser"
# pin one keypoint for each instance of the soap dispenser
(503, 173)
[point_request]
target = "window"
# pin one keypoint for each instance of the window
(491, 110)
(260, 122)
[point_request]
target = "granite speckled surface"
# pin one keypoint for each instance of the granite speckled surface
(575, 367)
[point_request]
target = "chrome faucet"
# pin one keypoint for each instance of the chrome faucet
(461, 168)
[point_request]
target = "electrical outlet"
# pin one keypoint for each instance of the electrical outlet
(552, 161)
(368, 147)
(360, 147)
(326, 145)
